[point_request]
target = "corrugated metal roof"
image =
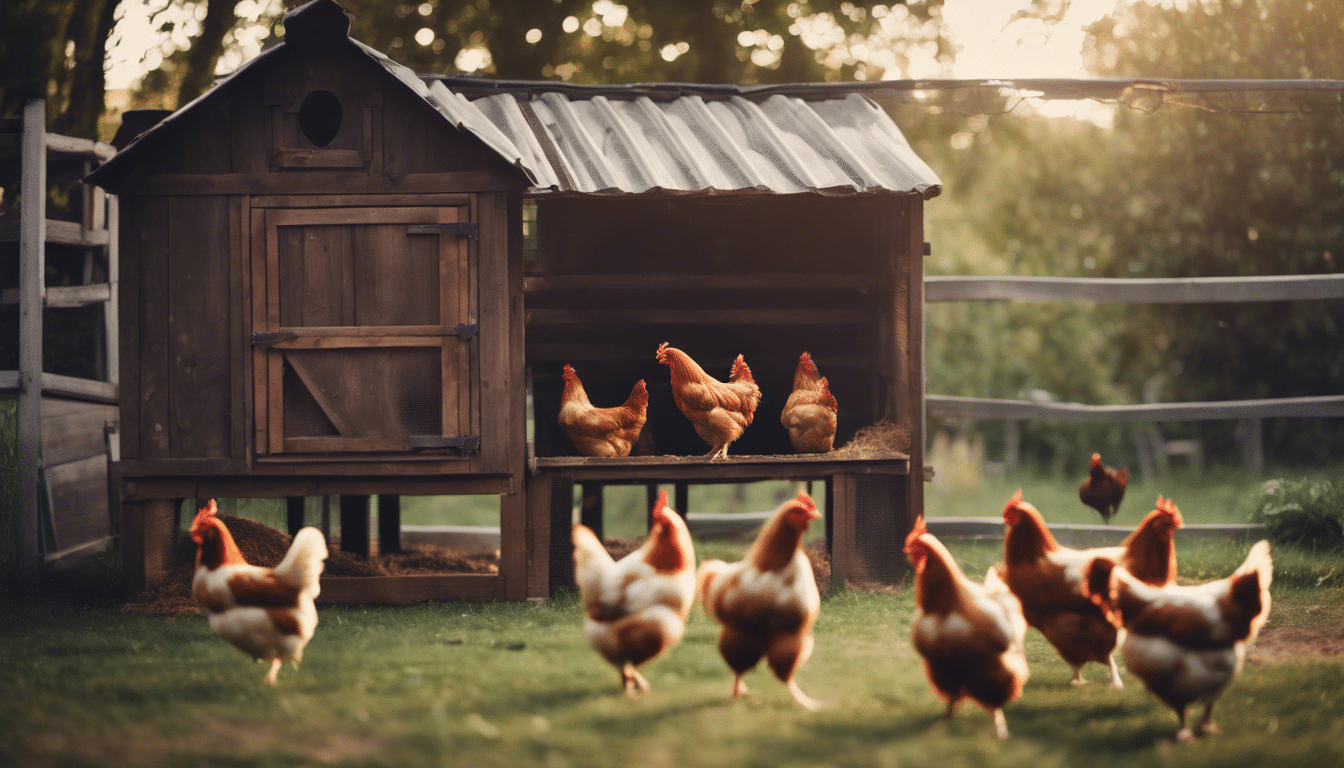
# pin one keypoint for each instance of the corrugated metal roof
(652, 138)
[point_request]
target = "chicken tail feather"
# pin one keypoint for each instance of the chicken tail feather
(303, 563)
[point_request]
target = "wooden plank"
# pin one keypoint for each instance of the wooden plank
(74, 430)
(495, 351)
(516, 427)
(318, 158)
(77, 146)
(240, 319)
(79, 497)
(305, 483)
(259, 402)
(319, 396)
(200, 391)
(155, 329)
(71, 386)
(332, 444)
(303, 182)
(1188, 290)
(358, 201)
(702, 282)
(395, 590)
(358, 331)
(361, 341)
(917, 423)
(58, 232)
(745, 316)
(112, 309)
(1326, 406)
(32, 271)
(736, 468)
(131, 238)
(65, 297)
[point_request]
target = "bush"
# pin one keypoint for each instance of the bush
(1309, 512)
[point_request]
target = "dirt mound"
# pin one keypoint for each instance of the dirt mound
(266, 546)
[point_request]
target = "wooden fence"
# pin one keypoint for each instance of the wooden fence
(1152, 449)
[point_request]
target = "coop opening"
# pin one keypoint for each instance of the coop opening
(320, 117)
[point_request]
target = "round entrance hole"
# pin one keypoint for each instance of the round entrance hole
(320, 117)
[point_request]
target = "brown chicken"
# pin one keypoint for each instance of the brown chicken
(267, 613)
(970, 635)
(1047, 578)
(768, 602)
(810, 413)
(1187, 643)
(602, 432)
(635, 608)
(1104, 488)
(720, 411)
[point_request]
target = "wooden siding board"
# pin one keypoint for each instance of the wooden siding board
(131, 236)
(73, 430)
(914, 248)
(200, 379)
(408, 589)
(496, 335)
(79, 495)
(257, 402)
(155, 323)
(240, 316)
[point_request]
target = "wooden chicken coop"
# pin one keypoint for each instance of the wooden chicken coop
(339, 277)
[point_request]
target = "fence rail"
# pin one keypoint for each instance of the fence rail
(1185, 290)
(989, 408)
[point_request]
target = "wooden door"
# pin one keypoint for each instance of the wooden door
(363, 345)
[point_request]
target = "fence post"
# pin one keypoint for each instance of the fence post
(32, 260)
(1251, 444)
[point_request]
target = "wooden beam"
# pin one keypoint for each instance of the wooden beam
(389, 523)
(63, 297)
(60, 232)
(1187, 290)
(692, 282)
(76, 146)
(32, 270)
(1326, 406)
(306, 182)
(536, 317)
(696, 468)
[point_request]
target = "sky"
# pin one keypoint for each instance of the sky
(992, 45)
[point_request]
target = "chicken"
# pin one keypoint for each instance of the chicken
(811, 410)
(1187, 643)
(970, 635)
(768, 602)
(601, 431)
(1104, 488)
(268, 613)
(635, 609)
(719, 411)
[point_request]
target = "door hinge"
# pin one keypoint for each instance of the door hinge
(465, 444)
(466, 331)
(461, 229)
(273, 337)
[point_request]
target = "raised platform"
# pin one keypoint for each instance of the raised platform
(637, 469)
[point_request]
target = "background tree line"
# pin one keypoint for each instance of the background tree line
(1249, 184)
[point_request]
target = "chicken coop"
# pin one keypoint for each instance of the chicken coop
(342, 278)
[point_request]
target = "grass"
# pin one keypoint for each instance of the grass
(509, 684)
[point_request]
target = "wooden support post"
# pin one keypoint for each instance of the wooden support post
(294, 513)
(538, 500)
(845, 564)
(389, 523)
(355, 524)
(829, 490)
(591, 510)
(651, 498)
(513, 546)
(682, 498)
(147, 538)
(32, 266)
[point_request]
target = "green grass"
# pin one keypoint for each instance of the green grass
(514, 684)
(1220, 495)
